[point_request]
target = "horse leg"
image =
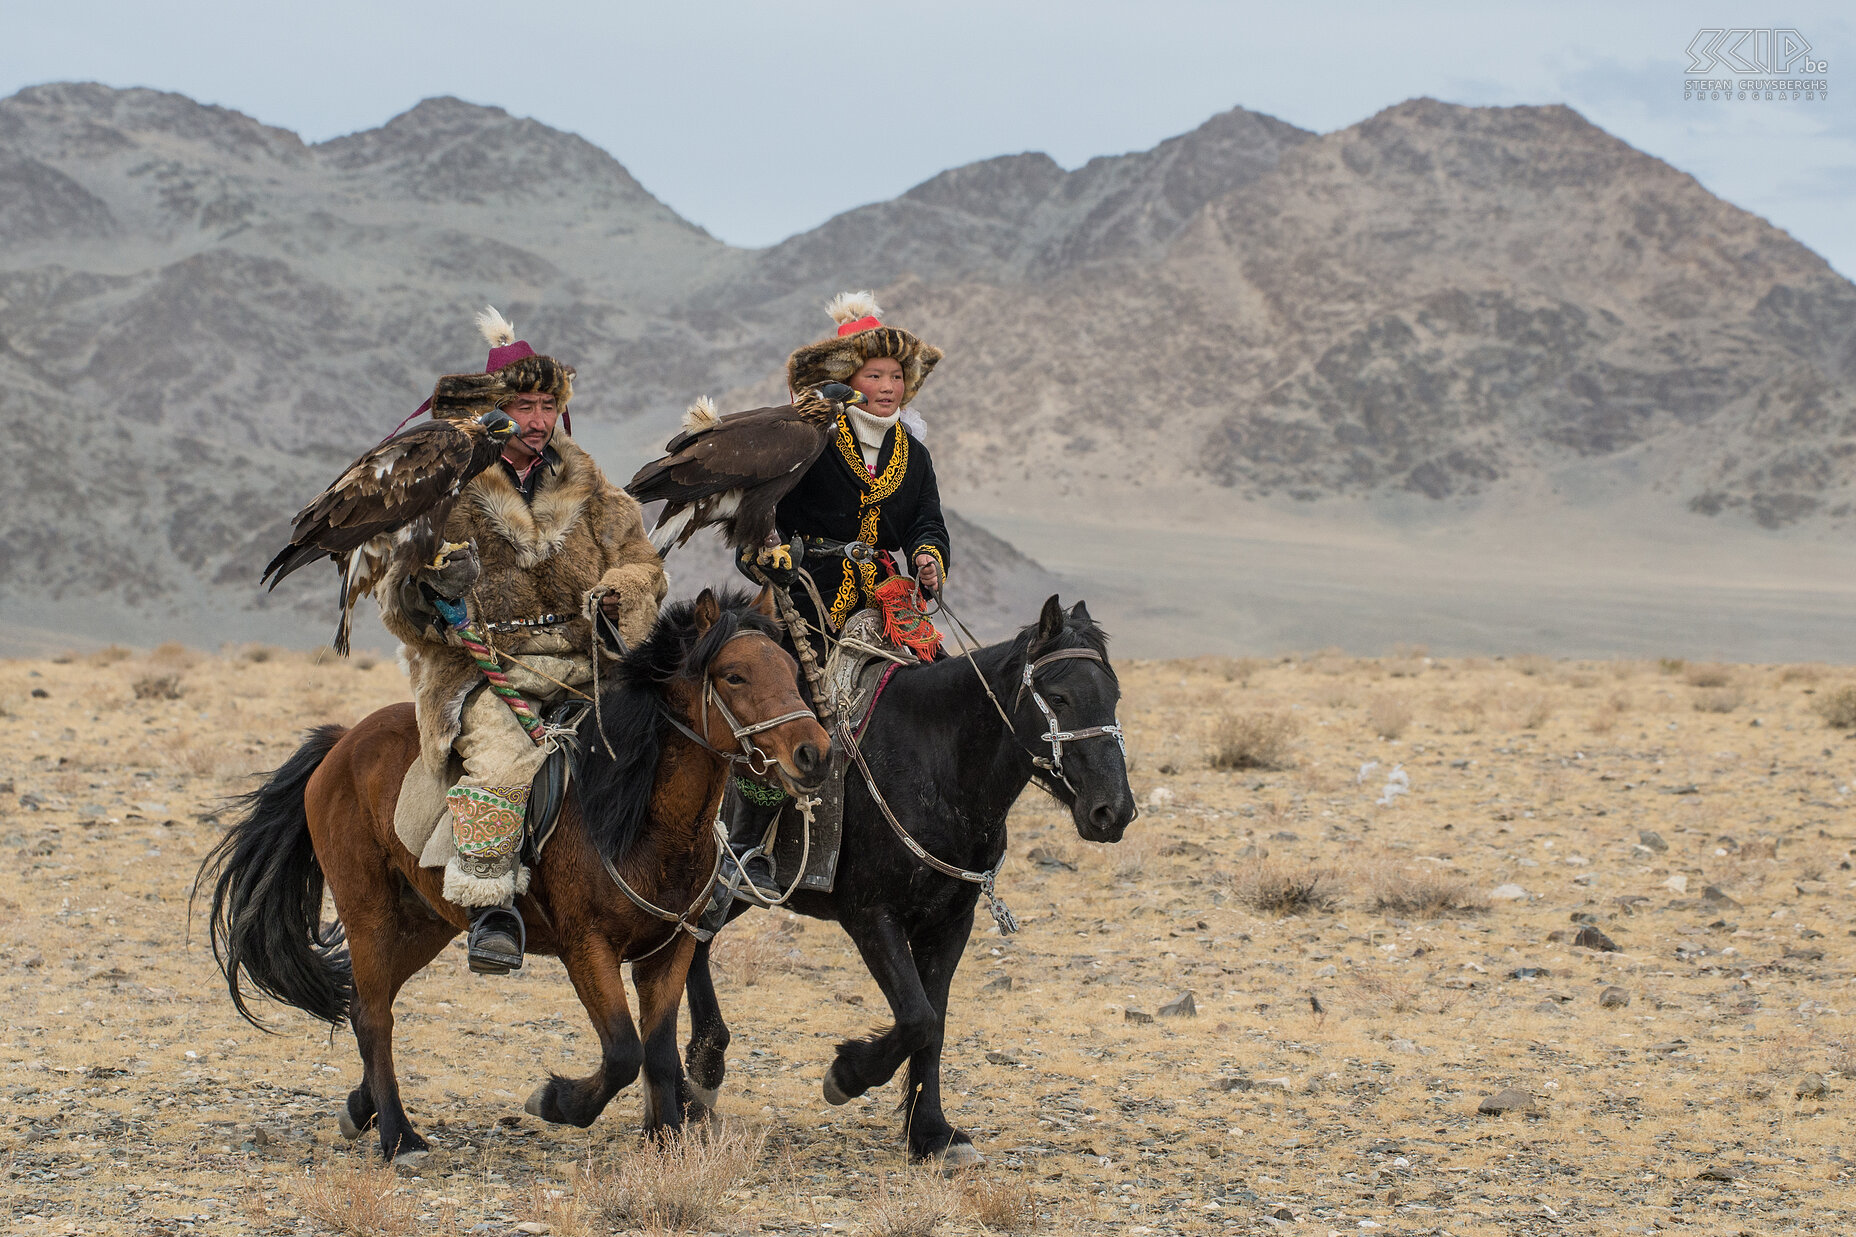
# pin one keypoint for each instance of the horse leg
(385, 951)
(594, 966)
(707, 1051)
(659, 981)
(871, 1062)
(937, 951)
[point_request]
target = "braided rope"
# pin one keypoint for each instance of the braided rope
(480, 651)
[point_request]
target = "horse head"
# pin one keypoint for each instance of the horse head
(743, 688)
(1068, 685)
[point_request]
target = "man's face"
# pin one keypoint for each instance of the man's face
(534, 414)
(881, 382)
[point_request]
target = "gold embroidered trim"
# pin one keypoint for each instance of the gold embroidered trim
(939, 562)
(865, 574)
(876, 489)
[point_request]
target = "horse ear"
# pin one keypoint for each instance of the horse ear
(765, 603)
(1050, 622)
(708, 611)
(1080, 613)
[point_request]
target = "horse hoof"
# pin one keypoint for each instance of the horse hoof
(532, 1105)
(410, 1159)
(834, 1094)
(956, 1156)
(706, 1096)
(346, 1124)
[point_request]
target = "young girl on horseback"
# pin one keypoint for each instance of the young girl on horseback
(874, 484)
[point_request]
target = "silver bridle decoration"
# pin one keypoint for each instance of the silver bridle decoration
(1056, 736)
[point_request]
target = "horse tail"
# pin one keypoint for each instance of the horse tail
(267, 897)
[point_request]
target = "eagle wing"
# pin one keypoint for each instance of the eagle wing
(386, 490)
(731, 473)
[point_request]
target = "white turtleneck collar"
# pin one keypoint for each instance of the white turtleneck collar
(871, 431)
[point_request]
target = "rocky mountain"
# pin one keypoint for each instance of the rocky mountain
(202, 318)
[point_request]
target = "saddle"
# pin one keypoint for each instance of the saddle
(421, 805)
(853, 675)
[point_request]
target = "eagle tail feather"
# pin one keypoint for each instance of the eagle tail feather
(700, 416)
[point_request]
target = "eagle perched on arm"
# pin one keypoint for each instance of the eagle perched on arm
(394, 499)
(731, 472)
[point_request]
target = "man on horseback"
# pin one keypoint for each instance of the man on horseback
(557, 573)
(874, 484)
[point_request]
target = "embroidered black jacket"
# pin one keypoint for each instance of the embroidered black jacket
(899, 509)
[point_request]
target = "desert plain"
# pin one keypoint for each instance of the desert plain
(1610, 900)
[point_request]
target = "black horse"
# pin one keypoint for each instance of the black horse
(950, 769)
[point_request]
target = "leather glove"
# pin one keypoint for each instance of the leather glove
(460, 571)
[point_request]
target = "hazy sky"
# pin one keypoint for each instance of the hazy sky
(758, 120)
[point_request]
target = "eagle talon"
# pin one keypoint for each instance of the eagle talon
(445, 552)
(779, 557)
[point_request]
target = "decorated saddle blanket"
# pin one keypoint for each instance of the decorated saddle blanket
(855, 674)
(421, 810)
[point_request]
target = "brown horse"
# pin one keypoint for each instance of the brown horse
(644, 816)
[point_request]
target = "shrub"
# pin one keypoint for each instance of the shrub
(910, 1203)
(1388, 715)
(158, 687)
(1002, 1204)
(677, 1183)
(1709, 676)
(1424, 895)
(361, 1197)
(1254, 741)
(1837, 707)
(1276, 889)
(1719, 700)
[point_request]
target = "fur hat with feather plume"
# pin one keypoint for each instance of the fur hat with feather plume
(861, 336)
(513, 368)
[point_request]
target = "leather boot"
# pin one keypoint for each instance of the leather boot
(496, 940)
(748, 818)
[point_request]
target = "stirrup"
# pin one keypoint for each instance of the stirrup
(740, 882)
(487, 960)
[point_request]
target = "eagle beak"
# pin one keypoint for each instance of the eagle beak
(857, 397)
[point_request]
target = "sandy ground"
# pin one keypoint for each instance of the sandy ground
(139, 1103)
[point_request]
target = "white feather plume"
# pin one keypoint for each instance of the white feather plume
(700, 415)
(496, 328)
(850, 306)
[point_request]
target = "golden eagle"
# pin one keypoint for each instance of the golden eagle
(733, 471)
(396, 498)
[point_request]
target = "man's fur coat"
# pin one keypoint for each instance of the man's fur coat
(579, 533)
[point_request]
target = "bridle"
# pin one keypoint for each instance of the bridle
(748, 753)
(1056, 736)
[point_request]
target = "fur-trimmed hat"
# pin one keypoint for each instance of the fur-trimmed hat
(513, 369)
(861, 337)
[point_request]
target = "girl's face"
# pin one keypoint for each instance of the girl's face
(880, 380)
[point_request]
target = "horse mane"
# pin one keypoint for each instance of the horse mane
(1087, 630)
(613, 792)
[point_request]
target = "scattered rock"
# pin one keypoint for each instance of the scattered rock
(1652, 839)
(1002, 984)
(32, 961)
(1508, 893)
(1671, 1048)
(1714, 1174)
(1506, 1100)
(1809, 1087)
(39, 693)
(1001, 1058)
(1160, 797)
(1276, 1084)
(1327, 972)
(1804, 954)
(1677, 883)
(1233, 1084)
(1047, 858)
(1403, 1045)
(1549, 1007)
(1591, 938)
(1818, 888)
(1183, 1007)
(533, 1227)
(857, 998)
(1718, 896)
(1613, 997)
(1530, 972)
(1630, 902)
(1283, 835)
(1135, 1015)
(1283, 1213)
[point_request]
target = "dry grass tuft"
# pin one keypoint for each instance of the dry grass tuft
(110, 656)
(158, 687)
(1273, 888)
(1531, 664)
(1002, 1204)
(1389, 715)
(910, 1203)
(1719, 699)
(174, 655)
(1529, 710)
(1254, 741)
(674, 1185)
(1809, 672)
(1709, 675)
(1425, 894)
(1837, 707)
(358, 1197)
(753, 948)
